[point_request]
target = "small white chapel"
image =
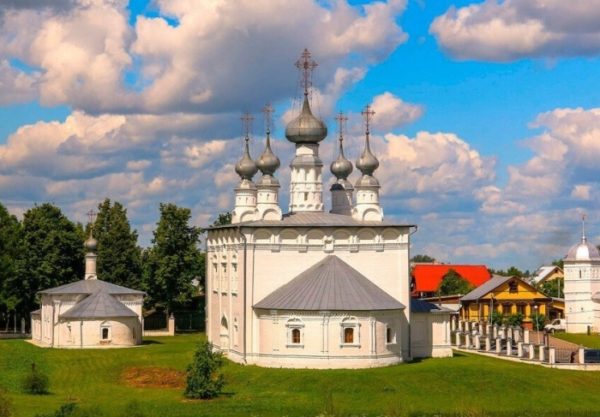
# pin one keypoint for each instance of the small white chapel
(582, 286)
(89, 313)
(315, 288)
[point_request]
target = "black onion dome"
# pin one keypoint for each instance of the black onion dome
(246, 168)
(306, 128)
(268, 161)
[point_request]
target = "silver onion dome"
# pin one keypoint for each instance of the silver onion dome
(367, 163)
(306, 128)
(341, 167)
(268, 162)
(91, 244)
(246, 167)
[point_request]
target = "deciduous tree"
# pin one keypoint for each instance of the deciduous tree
(119, 257)
(452, 284)
(51, 254)
(174, 260)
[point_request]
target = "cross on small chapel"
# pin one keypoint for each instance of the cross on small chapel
(368, 113)
(247, 119)
(92, 216)
(306, 65)
(341, 119)
(268, 112)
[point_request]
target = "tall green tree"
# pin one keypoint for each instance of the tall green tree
(51, 254)
(119, 257)
(174, 260)
(223, 219)
(553, 288)
(10, 241)
(453, 284)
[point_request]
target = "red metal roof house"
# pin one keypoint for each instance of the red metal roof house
(428, 277)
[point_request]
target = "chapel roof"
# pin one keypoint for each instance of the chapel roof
(331, 284)
(98, 305)
(90, 286)
(313, 219)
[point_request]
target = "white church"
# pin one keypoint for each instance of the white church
(582, 287)
(89, 313)
(315, 288)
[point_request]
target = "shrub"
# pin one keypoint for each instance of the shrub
(515, 319)
(36, 382)
(497, 318)
(203, 381)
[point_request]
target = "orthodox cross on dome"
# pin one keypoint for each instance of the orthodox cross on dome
(368, 114)
(306, 65)
(92, 216)
(247, 119)
(268, 112)
(341, 119)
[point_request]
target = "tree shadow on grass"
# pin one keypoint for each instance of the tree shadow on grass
(151, 342)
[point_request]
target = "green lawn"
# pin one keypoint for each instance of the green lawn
(591, 341)
(468, 384)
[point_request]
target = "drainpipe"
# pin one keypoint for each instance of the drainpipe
(245, 289)
(410, 293)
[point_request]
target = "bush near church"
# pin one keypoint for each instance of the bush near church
(203, 381)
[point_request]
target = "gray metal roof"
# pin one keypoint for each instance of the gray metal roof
(583, 251)
(330, 284)
(486, 287)
(309, 219)
(422, 306)
(98, 305)
(90, 286)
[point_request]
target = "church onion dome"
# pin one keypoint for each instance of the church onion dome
(341, 167)
(91, 244)
(583, 251)
(306, 128)
(367, 163)
(268, 161)
(246, 167)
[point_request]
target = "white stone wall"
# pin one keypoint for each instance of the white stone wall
(430, 335)
(322, 343)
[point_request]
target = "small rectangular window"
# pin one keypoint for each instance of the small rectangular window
(389, 336)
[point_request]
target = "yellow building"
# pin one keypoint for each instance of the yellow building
(508, 296)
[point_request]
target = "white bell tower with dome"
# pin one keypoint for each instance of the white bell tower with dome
(582, 286)
(306, 131)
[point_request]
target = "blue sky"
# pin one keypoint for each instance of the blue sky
(487, 127)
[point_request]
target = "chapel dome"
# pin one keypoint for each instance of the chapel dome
(306, 128)
(91, 244)
(341, 167)
(583, 251)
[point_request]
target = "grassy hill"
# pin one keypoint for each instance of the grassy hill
(114, 382)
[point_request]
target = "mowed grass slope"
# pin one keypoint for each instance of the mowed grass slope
(466, 383)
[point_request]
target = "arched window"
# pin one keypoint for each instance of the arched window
(295, 332)
(105, 331)
(295, 336)
(350, 334)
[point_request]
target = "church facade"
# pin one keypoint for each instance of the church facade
(313, 287)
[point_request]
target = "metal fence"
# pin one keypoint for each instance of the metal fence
(187, 321)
